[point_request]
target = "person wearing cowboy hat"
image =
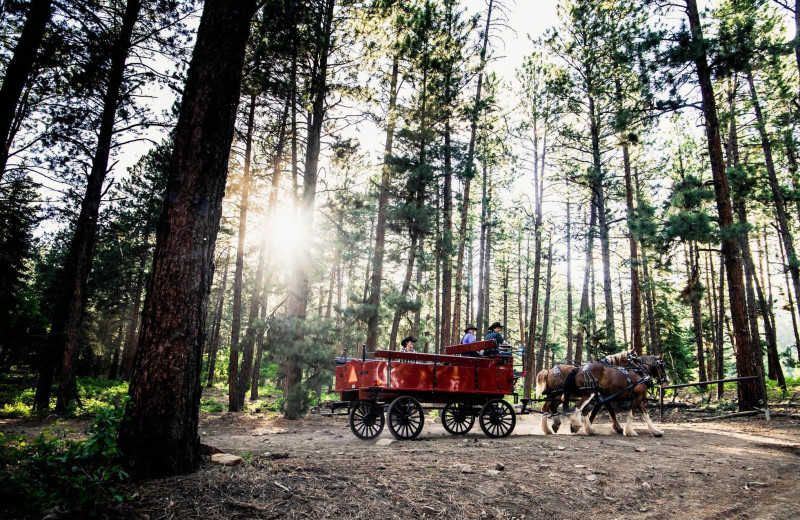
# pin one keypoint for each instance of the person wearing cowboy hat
(494, 334)
(408, 344)
(469, 337)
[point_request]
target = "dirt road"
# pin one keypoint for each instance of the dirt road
(316, 468)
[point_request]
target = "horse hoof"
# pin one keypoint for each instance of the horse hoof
(658, 434)
(619, 431)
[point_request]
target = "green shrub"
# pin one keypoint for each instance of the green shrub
(51, 473)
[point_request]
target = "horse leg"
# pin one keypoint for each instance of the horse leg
(546, 414)
(575, 418)
(613, 414)
(587, 421)
(646, 416)
(629, 431)
(581, 412)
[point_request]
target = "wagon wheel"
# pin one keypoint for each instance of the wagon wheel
(405, 418)
(497, 418)
(367, 420)
(457, 418)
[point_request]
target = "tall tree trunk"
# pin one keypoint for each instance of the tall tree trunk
(481, 319)
(65, 331)
(791, 302)
(785, 233)
(622, 310)
(520, 308)
(600, 201)
(158, 435)
(775, 370)
(462, 233)
(447, 240)
(583, 310)
(695, 296)
(129, 352)
(745, 356)
(114, 368)
(236, 314)
(538, 186)
(374, 302)
(569, 282)
(216, 329)
(487, 263)
(711, 305)
(720, 323)
(398, 314)
(257, 298)
(546, 318)
(19, 70)
(297, 304)
(636, 288)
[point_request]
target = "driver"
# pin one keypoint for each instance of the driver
(494, 334)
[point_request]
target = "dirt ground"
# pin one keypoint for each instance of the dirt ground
(315, 468)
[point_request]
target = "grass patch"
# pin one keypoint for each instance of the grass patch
(51, 474)
(96, 395)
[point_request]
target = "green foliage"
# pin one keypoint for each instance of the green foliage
(97, 395)
(53, 473)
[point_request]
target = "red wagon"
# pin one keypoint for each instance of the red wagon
(468, 387)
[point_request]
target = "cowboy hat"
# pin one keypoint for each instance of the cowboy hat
(470, 327)
(412, 339)
(495, 325)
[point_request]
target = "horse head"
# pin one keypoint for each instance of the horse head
(656, 367)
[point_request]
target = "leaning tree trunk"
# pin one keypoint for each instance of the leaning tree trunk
(745, 357)
(18, 71)
(374, 301)
(69, 313)
(462, 230)
(158, 435)
(793, 265)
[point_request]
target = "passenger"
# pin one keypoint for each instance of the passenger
(469, 337)
(494, 333)
(408, 344)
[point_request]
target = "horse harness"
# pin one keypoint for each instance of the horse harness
(558, 380)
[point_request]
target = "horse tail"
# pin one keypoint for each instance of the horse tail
(569, 387)
(541, 383)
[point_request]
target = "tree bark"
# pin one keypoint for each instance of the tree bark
(583, 310)
(374, 302)
(129, 352)
(745, 357)
(259, 287)
(215, 331)
(68, 316)
(236, 314)
(158, 435)
(546, 318)
(636, 288)
(297, 304)
(19, 70)
(793, 264)
(462, 232)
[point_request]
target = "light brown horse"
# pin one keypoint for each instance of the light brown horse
(551, 384)
(596, 379)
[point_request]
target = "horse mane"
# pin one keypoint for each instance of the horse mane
(618, 359)
(649, 360)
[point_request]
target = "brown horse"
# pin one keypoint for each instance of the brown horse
(551, 383)
(600, 380)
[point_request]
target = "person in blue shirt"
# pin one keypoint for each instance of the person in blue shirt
(494, 334)
(469, 337)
